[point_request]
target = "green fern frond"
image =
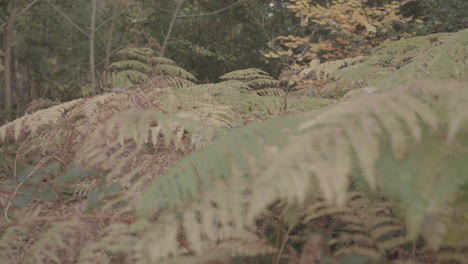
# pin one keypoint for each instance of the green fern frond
(252, 78)
(217, 184)
(124, 79)
(171, 81)
(235, 84)
(397, 62)
(140, 66)
(175, 71)
(208, 171)
(141, 54)
(199, 170)
(262, 83)
(131, 64)
(398, 120)
(271, 92)
(246, 75)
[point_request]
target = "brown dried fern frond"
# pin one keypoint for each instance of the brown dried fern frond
(133, 132)
(40, 103)
(45, 118)
(57, 237)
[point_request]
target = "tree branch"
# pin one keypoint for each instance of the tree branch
(214, 12)
(22, 11)
(171, 26)
(67, 18)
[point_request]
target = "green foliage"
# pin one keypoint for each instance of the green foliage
(140, 65)
(237, 178)
(254, 78)
(435, 57)
(241, 170)
(445, 15)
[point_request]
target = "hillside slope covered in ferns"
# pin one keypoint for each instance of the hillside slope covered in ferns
(371, 168)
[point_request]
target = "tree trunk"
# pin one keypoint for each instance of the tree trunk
(171, 26)
(8, 58)
(92, 29)
(109, 39)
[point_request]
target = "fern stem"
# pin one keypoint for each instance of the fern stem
(280, 252)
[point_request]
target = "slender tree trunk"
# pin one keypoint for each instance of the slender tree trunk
(21, 95)
(8, 58)
(92, 29)
(171, 26)
(109, 39)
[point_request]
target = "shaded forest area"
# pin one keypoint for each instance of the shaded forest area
(61, 50)
(234, 131)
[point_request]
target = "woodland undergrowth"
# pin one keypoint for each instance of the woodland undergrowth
(160, 169)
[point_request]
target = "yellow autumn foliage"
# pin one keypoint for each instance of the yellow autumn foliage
(353, 27)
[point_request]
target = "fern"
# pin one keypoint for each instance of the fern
(141, 65)
(368, 230)
(218, 186)
(50, 241)
(358, 127)
(254, 78)
(254, 190)
(32, 122)
(208, 171)
(398, 62)
(172, 70)
(40, 103)
(10, 242)
(131, 64)
(323, 71)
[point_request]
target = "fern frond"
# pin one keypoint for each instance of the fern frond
(271, 92)
(131, 132)
(208, 171)
(131, 64)
(321, 71)
(171, 81)
(399, 120)
(397, 62)
(50, 241)
(40, 103)
(30, 123)
(262, 83)
(234, 84)
(246, 75)
(199, 167)
(141, 54)
(252, 78)
(10, 242)
(175, 71)
(140, 64)
(125, 78)
(116, 238)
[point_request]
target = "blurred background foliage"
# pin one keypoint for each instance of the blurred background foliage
(49, 54)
